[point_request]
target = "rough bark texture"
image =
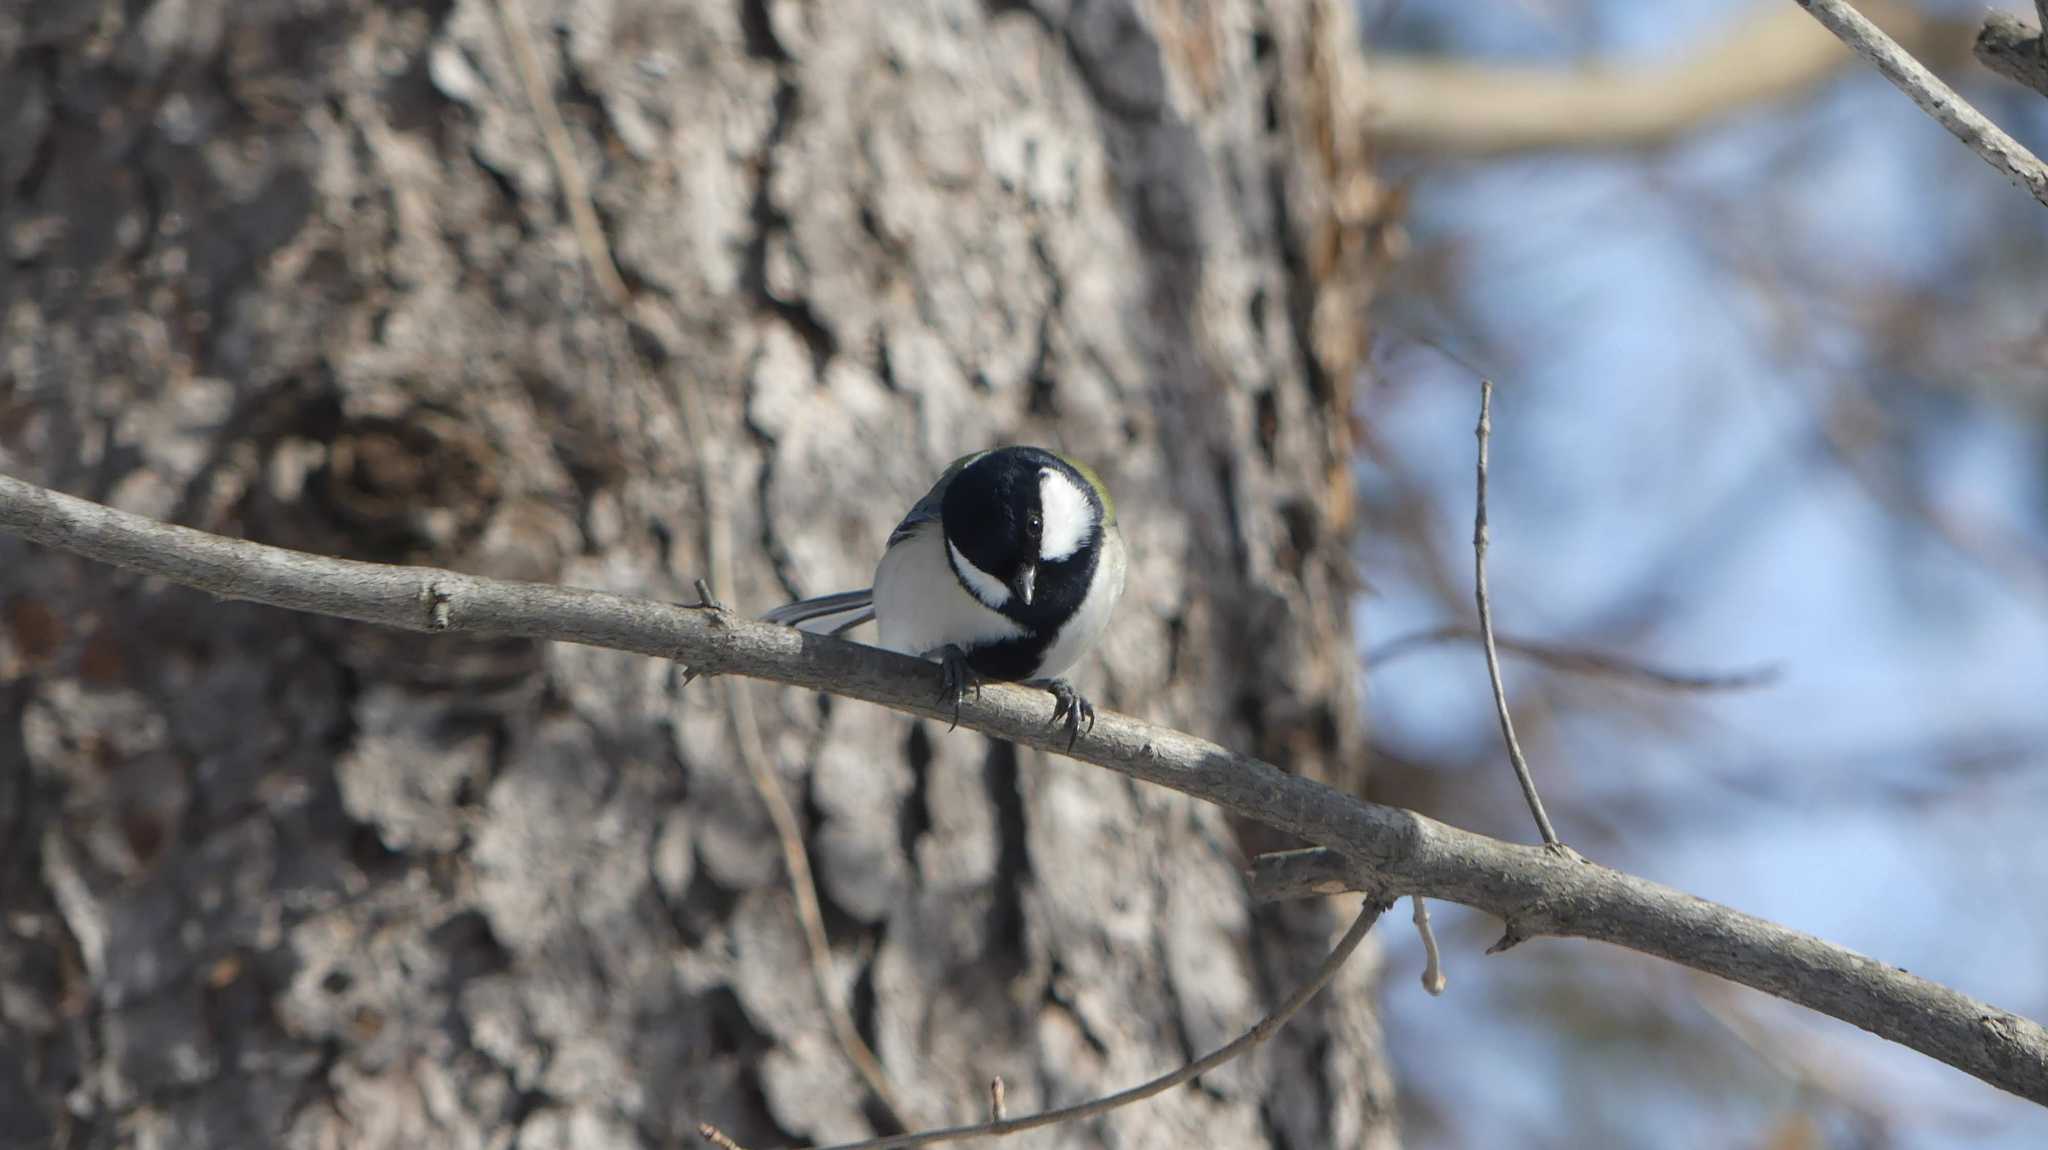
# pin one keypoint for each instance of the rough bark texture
(301, 272)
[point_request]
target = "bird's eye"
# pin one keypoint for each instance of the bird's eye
(1034, 524)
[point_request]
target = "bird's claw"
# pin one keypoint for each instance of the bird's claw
(956, 678)
(1069, 708)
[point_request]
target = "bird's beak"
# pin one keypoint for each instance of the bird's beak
(1023, 581)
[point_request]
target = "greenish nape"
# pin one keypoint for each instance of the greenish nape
(1095, 481)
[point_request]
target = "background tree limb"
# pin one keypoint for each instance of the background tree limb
(2015, 49)
(1387, 852)
(1766, 56)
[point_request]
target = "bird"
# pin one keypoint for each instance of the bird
(1007, 570)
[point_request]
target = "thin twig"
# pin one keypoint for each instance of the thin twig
(1266, 1027)
(1500, 694)
(746, 728)
(1935, 98)
(803, 885)
(1432, 959)
(997, 1108)
(1579, 661)
(1388, 852)
(598, 255)
(562, 153)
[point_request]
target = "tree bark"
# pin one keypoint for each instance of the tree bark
(306, 273)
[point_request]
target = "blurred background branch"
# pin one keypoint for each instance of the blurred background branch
(1770, 53)
(2015, 49)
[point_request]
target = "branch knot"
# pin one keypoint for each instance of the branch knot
(435, 598)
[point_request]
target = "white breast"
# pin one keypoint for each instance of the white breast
(1079, 634)
(920, 606)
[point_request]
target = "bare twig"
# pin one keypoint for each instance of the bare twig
(1500, 695)
(997, 1109)
(597, 254)
(1387, 852)
(1265, 1028)
(562, 153)
(1578, 661)
(789, 834)
(1432, 959)
(803, 886)
(1935, 98)
(2015, 49)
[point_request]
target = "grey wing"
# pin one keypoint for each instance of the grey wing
(926, 510)
(834, 614)
(841, 613)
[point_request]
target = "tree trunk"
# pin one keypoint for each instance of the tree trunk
(308, 273)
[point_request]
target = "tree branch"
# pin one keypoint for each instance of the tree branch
(1655, 920)
(1935, 98)
(1387, 852)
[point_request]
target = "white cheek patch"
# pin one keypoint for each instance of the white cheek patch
(992, 592)
(1069, 517)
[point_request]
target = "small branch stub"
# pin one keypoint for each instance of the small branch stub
(1510, 938)
(706, 601)
(436, 598)
(2015, 49)
(1432, 960)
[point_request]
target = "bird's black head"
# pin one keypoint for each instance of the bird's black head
(1023, 527)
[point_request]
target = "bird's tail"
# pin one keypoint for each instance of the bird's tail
(826, 614)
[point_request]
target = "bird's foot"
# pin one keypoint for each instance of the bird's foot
(1068, 708)
(956, 678)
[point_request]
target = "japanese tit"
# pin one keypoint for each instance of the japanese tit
(1007, 569)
